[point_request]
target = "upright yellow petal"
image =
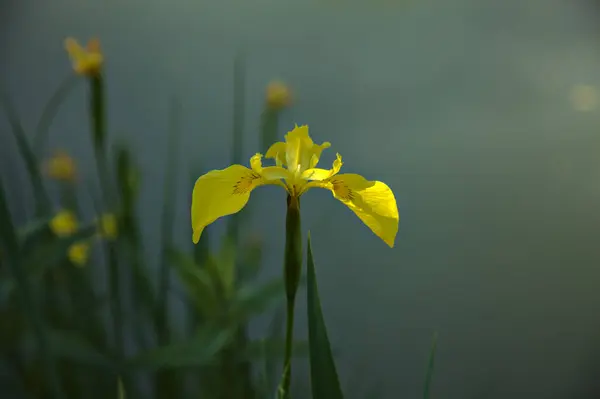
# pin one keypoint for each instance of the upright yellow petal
(277, 152)
(220, 193)
(372, 201)
(323, 174)
(79, 253)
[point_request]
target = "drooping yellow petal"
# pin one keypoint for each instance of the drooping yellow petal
(64, 223)
(323, 174)
(372, 201)
(220, 193)
(79, 253)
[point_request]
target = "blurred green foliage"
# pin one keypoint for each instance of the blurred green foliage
(66, 333)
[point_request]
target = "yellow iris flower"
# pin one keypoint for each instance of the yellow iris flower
(86, 61)
(224, 192)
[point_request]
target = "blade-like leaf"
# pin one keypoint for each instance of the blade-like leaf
(170, 188)
(50, 111)
(198, 282)
(430, 364)
(198, 351)
(324, 378)
(10, 250)
(120, 389)
(42, 201)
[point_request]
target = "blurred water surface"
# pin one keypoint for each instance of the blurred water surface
(465, 108)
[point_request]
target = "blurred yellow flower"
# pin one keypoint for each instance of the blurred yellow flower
(107, 226)
(278, 95)
(583, 98)
(65, 224)
(61, 167)
(79, 253)
(86, 61)
(224, 192)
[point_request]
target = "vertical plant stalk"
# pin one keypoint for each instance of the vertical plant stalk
(268, 128)
(238, 131)
(292, 271)
(430, 366)
(98, 119)
(167, 221)
(166, 380)
(11, 250)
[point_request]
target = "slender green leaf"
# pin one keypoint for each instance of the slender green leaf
(120, 389)
(197, 351)
(269, 122)
(324, 378)
(50, 111)
(170, 188)
(225, 267)
(42, 201)
(10, 249)
(198, 283)
(430, 364)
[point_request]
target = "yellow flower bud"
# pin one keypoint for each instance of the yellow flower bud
(278, 95)
(61, 167)
(86, 61)
(64, 223)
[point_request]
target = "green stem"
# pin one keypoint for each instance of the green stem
(292, 272)
(98, 119)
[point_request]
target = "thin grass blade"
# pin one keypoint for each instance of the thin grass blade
(325, 383)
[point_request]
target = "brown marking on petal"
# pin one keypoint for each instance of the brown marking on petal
(246, 183)
(342, 191)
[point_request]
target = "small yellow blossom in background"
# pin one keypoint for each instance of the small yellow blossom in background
(278, 95)
(61, 167)
(584, 98)
(224, 192)
(65, 224)
(107, 226)
(86, 61)
(79, 253)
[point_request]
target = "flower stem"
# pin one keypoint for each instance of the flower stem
(98, 119)
(292, 271)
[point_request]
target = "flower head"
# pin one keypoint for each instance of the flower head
(224, 192)
(278, 95)
(86, 61)
(61, 167)
(65, 224)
